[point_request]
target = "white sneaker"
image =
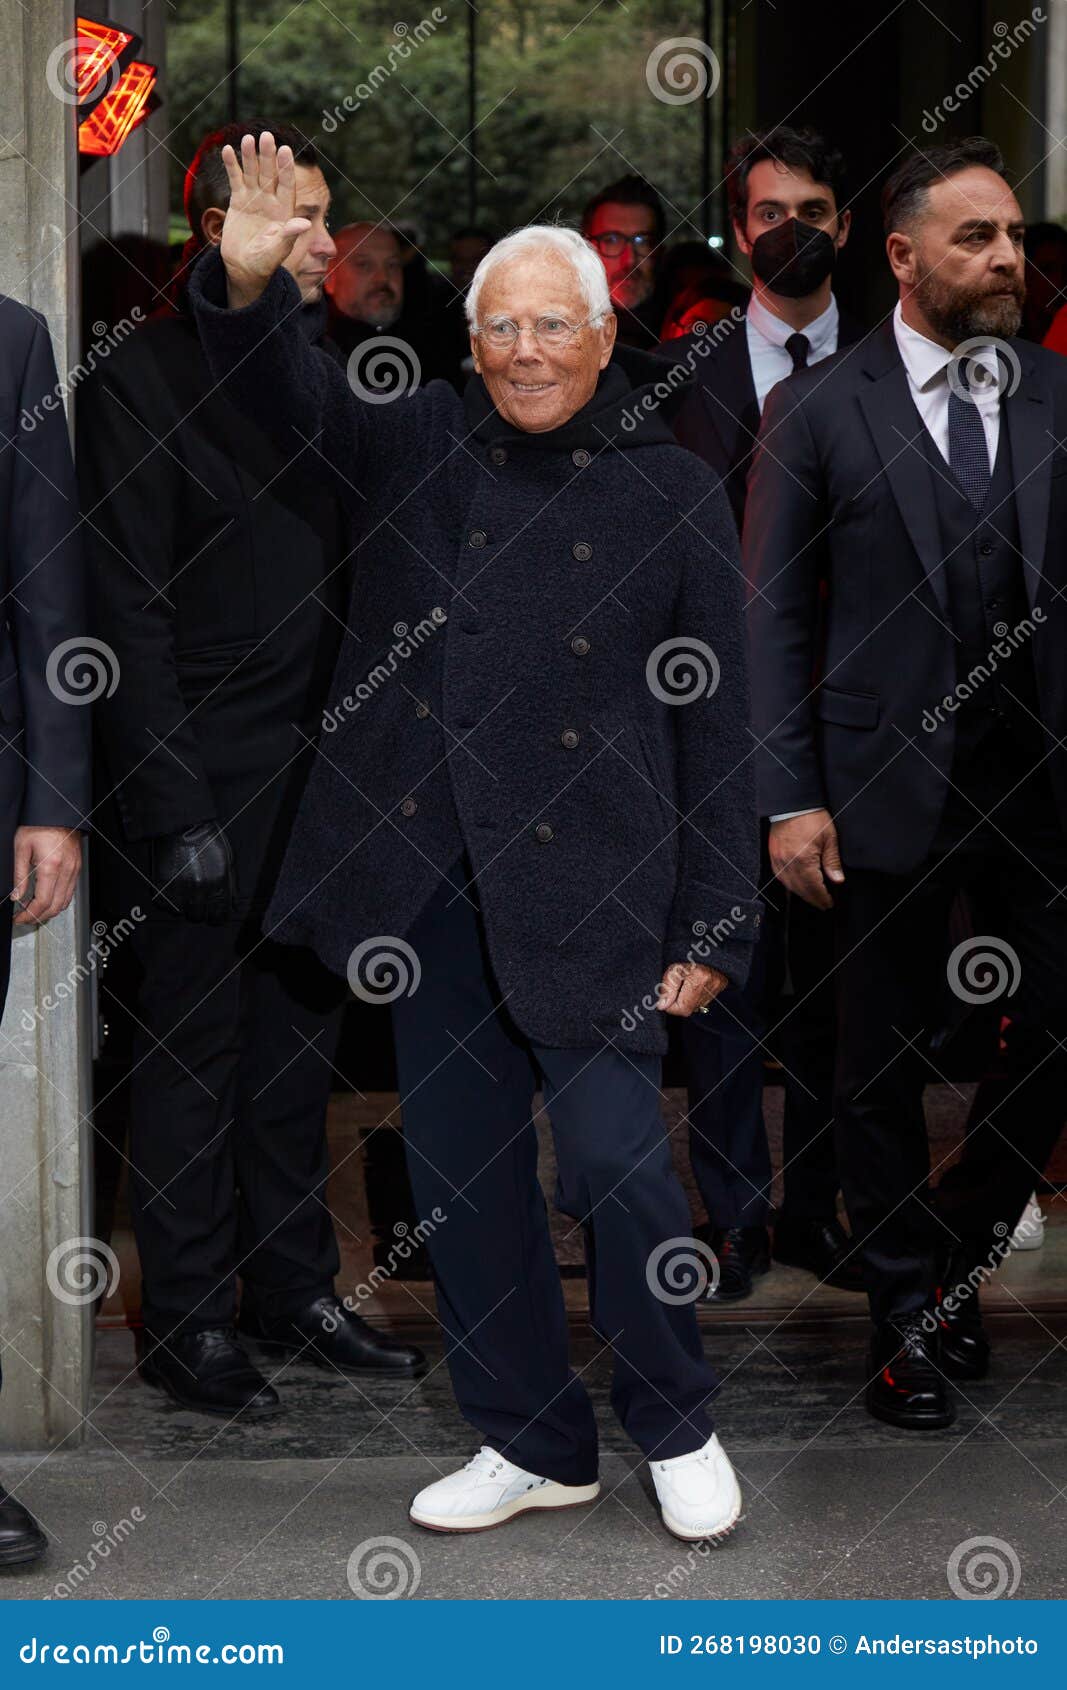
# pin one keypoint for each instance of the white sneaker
(1030, 1232)
(488, 1491)
(699, 1495)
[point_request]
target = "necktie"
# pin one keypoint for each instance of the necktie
(798, 346)
(968, 454)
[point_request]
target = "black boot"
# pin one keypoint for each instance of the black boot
(209, 1371)
(823, 1247)
(21, 1538)
(327, 1333)
(906, 1387)
(743, 1253)
(965, 1347)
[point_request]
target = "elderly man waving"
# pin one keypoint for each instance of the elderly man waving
(533, 799)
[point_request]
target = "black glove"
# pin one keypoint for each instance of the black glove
(193, 872)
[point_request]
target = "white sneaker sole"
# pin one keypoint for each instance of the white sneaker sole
(531, 1502)
(691, 1534)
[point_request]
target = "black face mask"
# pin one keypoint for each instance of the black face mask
(792, 258)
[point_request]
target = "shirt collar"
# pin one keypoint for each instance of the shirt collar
(926, 362)
(821, 332)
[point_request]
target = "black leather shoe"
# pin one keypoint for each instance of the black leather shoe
(744, 1253)
(824, 1248)
(21, 1538)
(331, 1335)
(965, 1347)
(208, 1371)
(906, 1387)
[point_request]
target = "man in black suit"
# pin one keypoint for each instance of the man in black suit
(219, 574)
(785, 189)
(44, 725)
(923, 476)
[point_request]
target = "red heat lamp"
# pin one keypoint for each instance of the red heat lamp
(115, 88)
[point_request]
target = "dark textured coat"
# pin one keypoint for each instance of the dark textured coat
(491, 694)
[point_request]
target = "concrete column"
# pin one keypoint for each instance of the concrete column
(44, 1058)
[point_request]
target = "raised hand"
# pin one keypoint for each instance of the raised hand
(260, 230)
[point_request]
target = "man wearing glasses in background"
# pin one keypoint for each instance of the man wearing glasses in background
(624, 222)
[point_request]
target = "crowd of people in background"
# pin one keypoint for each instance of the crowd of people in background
(205, 761)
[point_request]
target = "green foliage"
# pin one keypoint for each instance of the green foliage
(562, 102)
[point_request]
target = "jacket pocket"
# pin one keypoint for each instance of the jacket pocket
(847, 709)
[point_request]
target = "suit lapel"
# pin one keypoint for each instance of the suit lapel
(1028, 414)
(729, 397)
(898, 433)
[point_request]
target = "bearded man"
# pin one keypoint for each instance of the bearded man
(912, 718)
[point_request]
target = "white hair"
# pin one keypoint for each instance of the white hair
(583, 259)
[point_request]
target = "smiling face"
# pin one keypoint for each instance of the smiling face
(960, 264)
(533, 386)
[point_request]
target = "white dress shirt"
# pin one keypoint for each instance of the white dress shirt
(767, 335)
(926, 365)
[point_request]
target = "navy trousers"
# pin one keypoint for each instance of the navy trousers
(467, 1079)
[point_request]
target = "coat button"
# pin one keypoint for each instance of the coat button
(476, 538)
(499, 455)
(422, 711)
(408, 807)
(569, 738)
(543, 833)
(583, 551)
(580, 458)
(580, 645)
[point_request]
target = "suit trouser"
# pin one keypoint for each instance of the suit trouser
(12, 785)
(232, 1060)
(891, 950)
(467, 1078)
(724, 1054)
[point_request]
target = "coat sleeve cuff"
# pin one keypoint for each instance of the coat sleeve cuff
(708, 926)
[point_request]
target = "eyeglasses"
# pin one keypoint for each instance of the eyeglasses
(611, 243)
(501, 332)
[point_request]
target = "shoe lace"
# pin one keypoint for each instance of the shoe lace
(485, 1463)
